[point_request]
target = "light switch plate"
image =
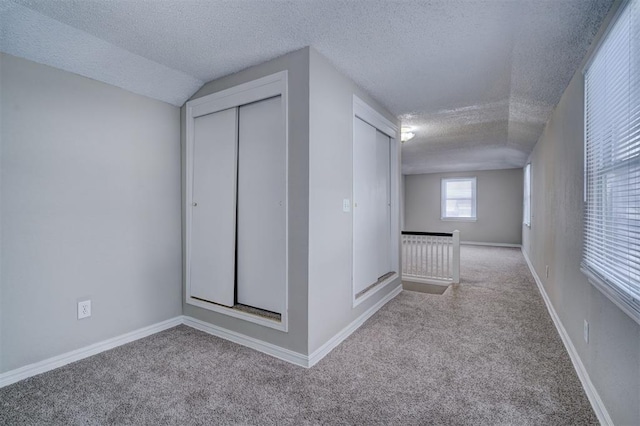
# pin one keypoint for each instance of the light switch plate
(346, 205)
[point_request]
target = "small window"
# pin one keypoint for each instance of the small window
(459, 199)
(611, 257)
(526, 208)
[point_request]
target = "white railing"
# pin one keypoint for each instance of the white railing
(431, 257)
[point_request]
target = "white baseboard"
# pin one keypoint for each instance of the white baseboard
(43, 366)
(292, 357)
(296, 358)
(596, 402)
(241, 339)
(478, 243)
(324, 350)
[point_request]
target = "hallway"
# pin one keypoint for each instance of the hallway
(484, 352)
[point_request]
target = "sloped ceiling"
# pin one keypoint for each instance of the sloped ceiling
(475, 79)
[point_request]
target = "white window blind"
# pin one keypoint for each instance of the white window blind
(459, 199)
(526, 208)
(612, 163)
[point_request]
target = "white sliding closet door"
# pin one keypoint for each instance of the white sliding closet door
(213, 212)
(383, 203)
(365, 219)
(261, 243)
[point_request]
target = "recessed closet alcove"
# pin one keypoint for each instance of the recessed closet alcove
(291, 211)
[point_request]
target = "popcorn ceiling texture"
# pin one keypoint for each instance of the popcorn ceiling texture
(31, 35)
(477, 79)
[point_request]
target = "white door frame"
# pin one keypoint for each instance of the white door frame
(253, 91)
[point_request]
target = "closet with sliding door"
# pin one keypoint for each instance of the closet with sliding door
(236, 201)
(375, 256)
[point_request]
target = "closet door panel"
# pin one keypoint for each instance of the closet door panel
(213, 212)
(365, 221)
(383, 203)
(261, 241)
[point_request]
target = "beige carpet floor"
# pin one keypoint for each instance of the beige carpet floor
(483, 353)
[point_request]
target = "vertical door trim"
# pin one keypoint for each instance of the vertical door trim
(253, 91)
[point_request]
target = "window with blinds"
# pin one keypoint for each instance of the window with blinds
(526, 205)
(458, 199)
(612, 163)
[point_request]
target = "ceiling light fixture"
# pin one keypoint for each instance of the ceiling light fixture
(406, 134)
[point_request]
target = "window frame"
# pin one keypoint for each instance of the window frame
(444, 198)
(598, 274)
(526, 196)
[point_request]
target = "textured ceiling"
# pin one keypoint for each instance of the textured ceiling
(477, 80)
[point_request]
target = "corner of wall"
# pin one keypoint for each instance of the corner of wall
(296, 339)
(331, 310)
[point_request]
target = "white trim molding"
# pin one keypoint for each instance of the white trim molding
(287, 355)
(376, 289)
(252, 91)
(52, 363)
(296, 358)
(444, 198)
(250, 342)
(478, 243)
(621, 301)
(594, 398)
(366, 113)
(332, 343)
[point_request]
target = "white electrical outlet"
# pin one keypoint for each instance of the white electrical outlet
(84, 309)
(547, 272)
(586, 331)
(346, 205)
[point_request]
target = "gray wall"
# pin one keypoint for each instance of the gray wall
(90, 186)
(297, 64)
(612, 356)
(320, 169)
(499, 206)
(330, 181)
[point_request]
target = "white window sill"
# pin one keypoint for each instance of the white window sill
(626, 304)
(459, 219)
